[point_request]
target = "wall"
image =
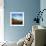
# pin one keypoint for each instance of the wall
(43, 6)
(29, 7)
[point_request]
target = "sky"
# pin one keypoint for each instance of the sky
(17, 16)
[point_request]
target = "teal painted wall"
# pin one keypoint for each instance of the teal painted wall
(29, 7)
(43, 6)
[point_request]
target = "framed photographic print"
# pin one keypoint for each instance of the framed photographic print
(17, 18)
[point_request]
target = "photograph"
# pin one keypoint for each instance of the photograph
(17, 18)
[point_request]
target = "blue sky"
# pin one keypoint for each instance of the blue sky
(17, 16)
